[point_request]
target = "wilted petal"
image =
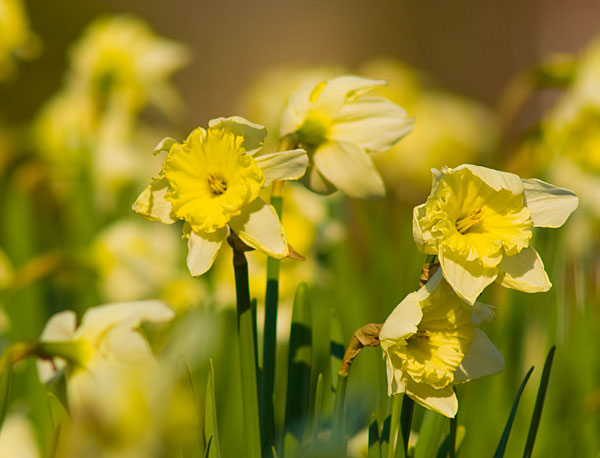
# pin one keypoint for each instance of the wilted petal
(467, 278)
(524, 272)
(549, 205)
(259, 227)
(254, 134)
(482, 358)
(152, 205)
(285, 165)
(350, 169)
(203, 248)
(496, 179)
(373, 123)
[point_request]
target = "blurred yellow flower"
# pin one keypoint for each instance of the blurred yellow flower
(339, 125)
(478, 222)
(106, 340)
(17, 438)
(121, 60)
(6, 270)
(212, 181)
(430, 342)
(16, 38)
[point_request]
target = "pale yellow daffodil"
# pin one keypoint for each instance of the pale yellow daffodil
(340, 125)
(212, 181)
(16, 38)
(478, 222)
(17, 438)
(431, 342)
(106, 340)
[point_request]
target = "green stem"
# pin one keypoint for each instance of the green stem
(452, 438)
(245, 327)
(408, 407)
(337, 434)
(270, 342)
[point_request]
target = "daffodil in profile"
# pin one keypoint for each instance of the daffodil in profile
(340, 125)
(431, 342)
(107, 340)
(212, 182)
(479, 221)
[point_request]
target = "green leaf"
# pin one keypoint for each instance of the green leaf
(374, 443)
(5, 384)
(408, 408)
(504, 439)
(299, 365)
(61, 421)
(430, 435)
(211, 425)
(539, 404)
(444, 449)
(317, 409)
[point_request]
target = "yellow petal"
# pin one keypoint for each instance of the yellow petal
(350, 169)
(284, 165)
(59, 328)
(549, 205)
(341, 89)
(259, 227)
(203, 248)
(441, 400)
(402, 322)
(164, 145)
(152, 205)
(253, 134)
(495, 179)
(524, 272)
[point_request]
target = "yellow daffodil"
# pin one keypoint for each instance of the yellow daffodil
(340, 125)
(16, 38)
(430, 342)
(212, 181)
(17, 438)
(120, 59)
(478, 222)
(106, 340)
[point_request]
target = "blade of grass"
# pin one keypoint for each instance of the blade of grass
(452, 438)
(374, 443)
(5, 383)
(247, 356)
(337, 432)
(430, 435)
(299, 363)
(504, 439)
(444, 449)
(211, 426)
(317, 409)
(394, 427)
(539, 404)
(408, 408)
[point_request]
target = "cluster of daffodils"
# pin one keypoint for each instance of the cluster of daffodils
(478, 223)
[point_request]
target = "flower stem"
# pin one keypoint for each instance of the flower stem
(270, 335)
(247, 356)
(452, 438)
(406, 416)
(337, 434)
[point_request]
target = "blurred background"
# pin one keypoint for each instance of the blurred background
(77, 131)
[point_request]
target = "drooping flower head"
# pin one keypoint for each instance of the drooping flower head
(478, 221)
(339, 125)
(212, 181)
(106, 340)
(430, 342)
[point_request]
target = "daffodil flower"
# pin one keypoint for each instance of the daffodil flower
(106, 340)
(212, 181)
(339, 125)
(431, 342)
(478, 222)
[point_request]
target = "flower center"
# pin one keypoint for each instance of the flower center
(464, 224)
(217, 185)
(314, 130)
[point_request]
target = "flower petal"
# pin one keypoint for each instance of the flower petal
(164, 145)
(285, 165)
(296, 111)
(97, 321)
(152, 205)
(60, 327)
(338, 90)
(549, 205)
(418, 215)
(350, 169)
(317, 182)
(467, 278)
(482, 358)
(254, 134)
(496, 179)
(442, 400)
(524, 272)
(203, 248)
(259, 227)
(402, 322)
(374, 123)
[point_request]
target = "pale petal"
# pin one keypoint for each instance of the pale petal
(59, 328)
(296, 111)
(317, 182)
(495, 179)
(254, 134)
(549, 205)
(98, 321)
(373, 123)
(164, 145)
(482, 312)
(482, 358)
(524, 271)
(203, 248)
(259, 227)
(395, 377)
(152, 205)
(442, 400)
(339, 90)
(467, 278)
(127, 348)
(350, 169)
(402, 322)
(419, 214)
(285, 165)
